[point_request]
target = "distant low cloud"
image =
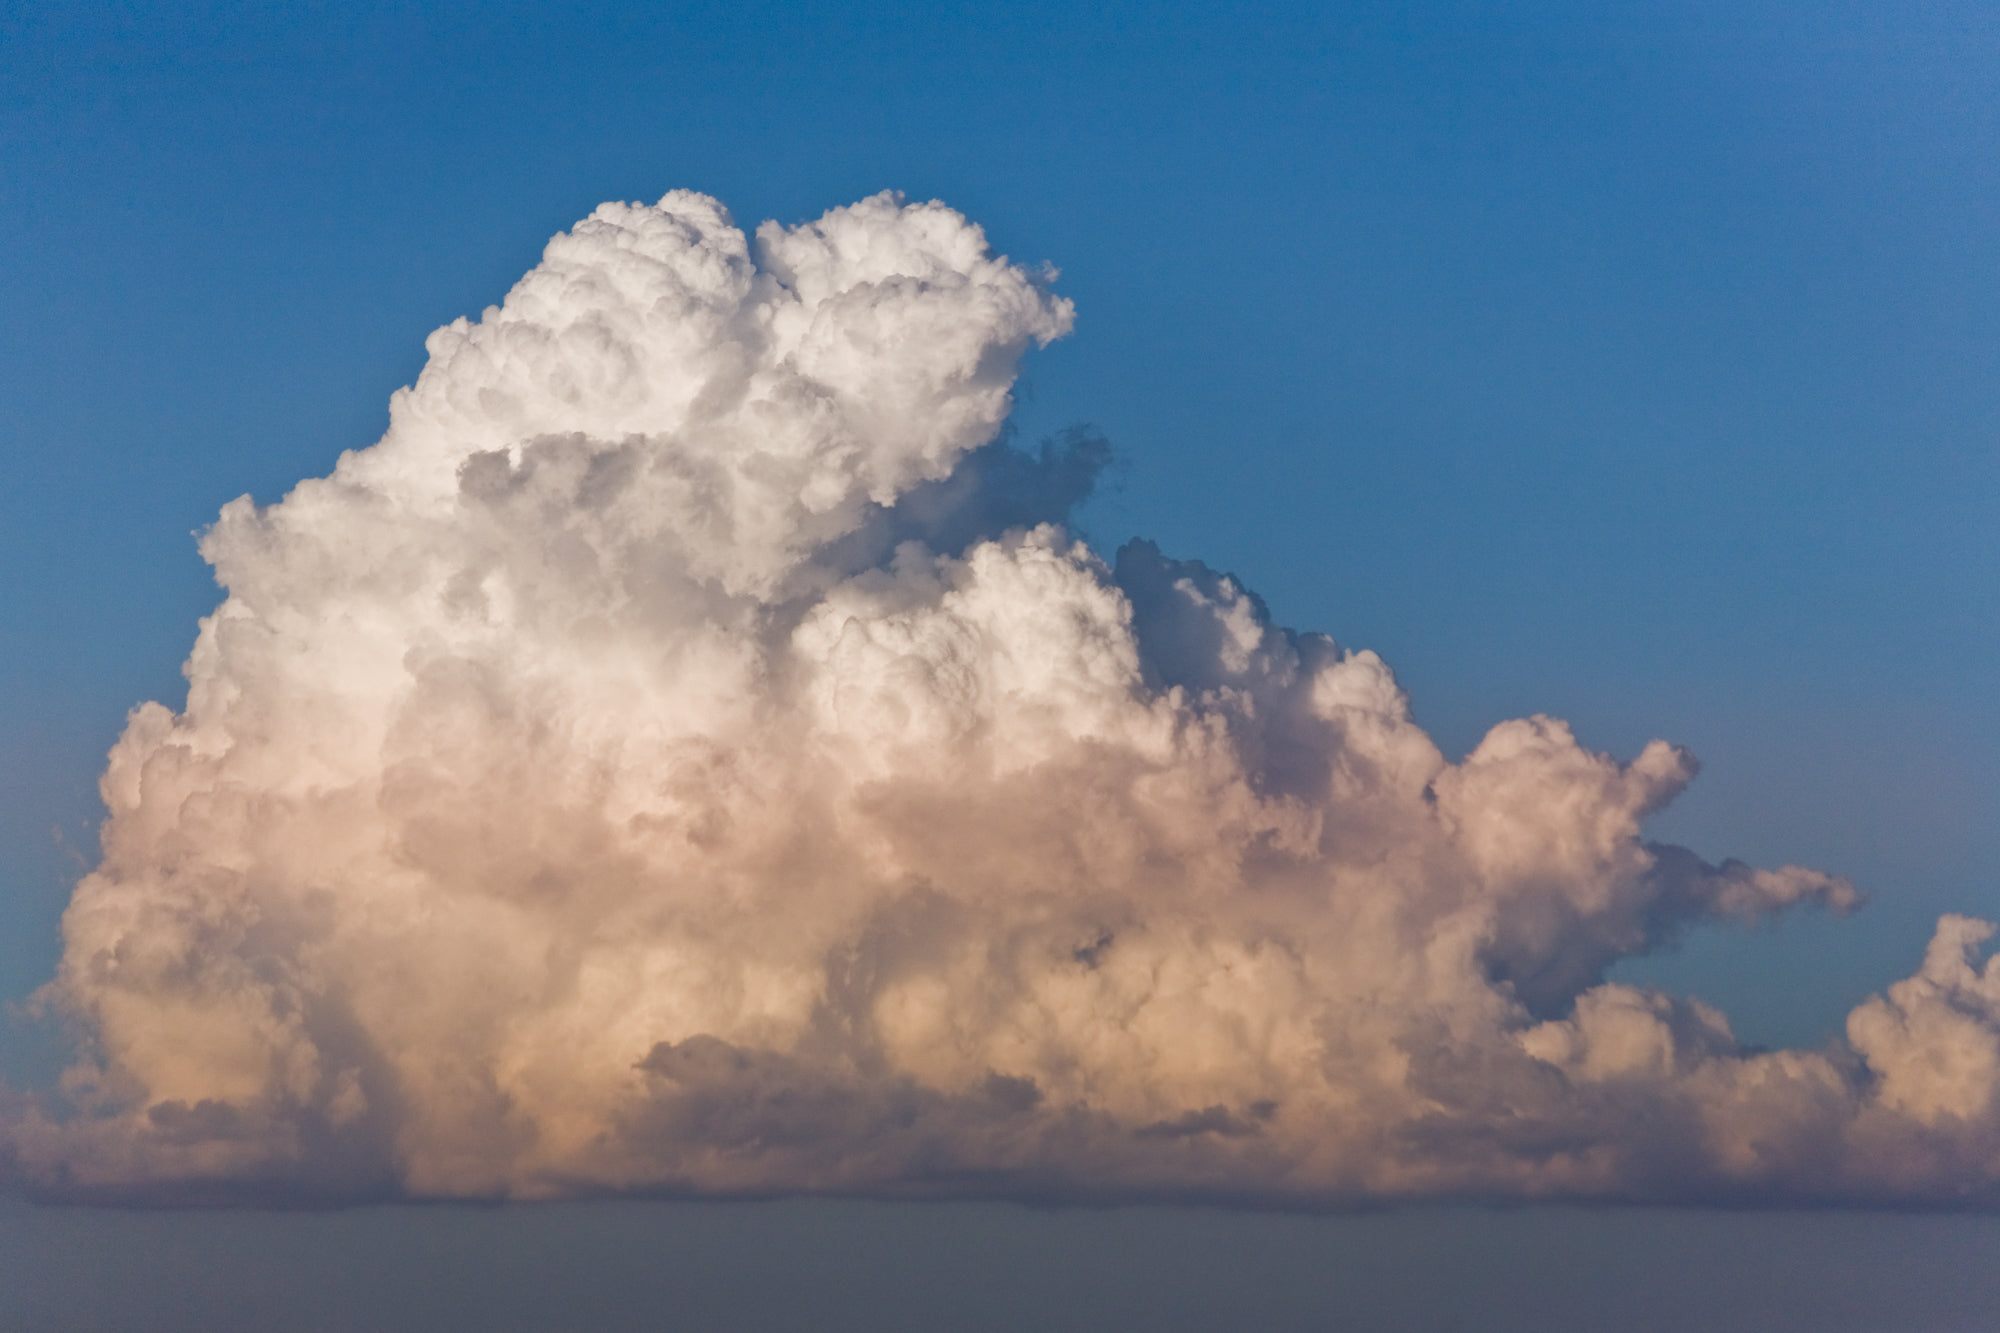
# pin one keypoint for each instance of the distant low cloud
(688, 754)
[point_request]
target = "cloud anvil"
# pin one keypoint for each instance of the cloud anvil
(689, 754)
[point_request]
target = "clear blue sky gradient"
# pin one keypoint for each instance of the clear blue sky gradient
(1634, 363)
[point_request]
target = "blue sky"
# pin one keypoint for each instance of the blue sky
(1634, 364)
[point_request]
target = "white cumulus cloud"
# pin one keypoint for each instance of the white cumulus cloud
(689, 754)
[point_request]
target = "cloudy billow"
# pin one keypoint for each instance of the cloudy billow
(689, 754)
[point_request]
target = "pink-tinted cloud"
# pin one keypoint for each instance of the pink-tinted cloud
(687, 754)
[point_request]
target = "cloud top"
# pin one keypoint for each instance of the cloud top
(689, 754)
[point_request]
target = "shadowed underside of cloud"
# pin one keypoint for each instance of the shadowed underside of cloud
(687, 754)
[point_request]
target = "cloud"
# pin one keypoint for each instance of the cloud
(689, 754)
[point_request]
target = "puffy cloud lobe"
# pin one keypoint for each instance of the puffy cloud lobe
(687, 753)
